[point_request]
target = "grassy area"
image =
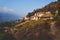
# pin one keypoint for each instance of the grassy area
(31, 23)
(2, 33)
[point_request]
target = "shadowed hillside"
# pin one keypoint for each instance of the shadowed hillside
(36, 30)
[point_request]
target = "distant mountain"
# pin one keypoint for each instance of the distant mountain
(7, 16)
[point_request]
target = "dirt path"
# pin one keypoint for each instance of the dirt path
(21, 23)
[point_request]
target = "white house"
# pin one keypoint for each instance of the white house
(37, 16)
(47, 15)
(33, 18)
(26, 18)
(40, 15)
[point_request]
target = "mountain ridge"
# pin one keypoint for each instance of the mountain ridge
(7, 17)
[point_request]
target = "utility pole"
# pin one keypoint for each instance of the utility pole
(56, 13)
(57, 10)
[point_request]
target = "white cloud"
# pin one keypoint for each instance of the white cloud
(6, 9)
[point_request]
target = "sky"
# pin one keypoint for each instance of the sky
(22, 7)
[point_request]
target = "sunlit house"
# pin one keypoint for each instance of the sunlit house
(42, 15)
(47, 15)
(37, 16)
(25, 18)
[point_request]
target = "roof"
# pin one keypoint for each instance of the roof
(47, 14)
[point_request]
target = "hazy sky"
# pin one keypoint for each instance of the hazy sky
(22, 7)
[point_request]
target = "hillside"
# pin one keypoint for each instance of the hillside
(36, 29)
(52, 7)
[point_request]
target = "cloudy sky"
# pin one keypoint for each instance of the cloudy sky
(22, 7)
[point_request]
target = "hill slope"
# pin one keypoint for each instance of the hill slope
(52, 7)
(40, 29)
